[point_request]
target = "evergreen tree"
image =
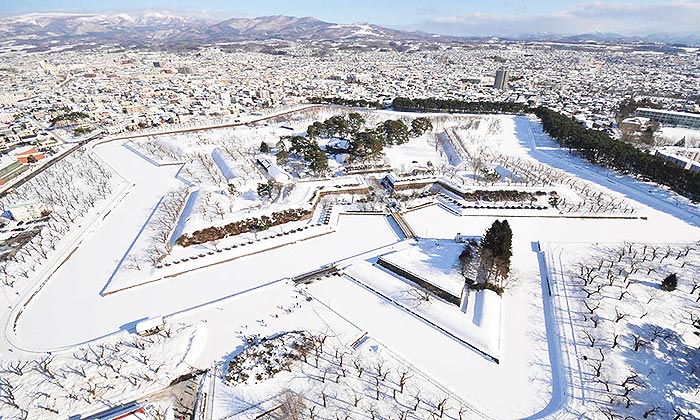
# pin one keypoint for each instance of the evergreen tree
(267, 189)
(466, 259)
(319, 161)
(669, 283)
(355, 122)
(496, 250)
(336, 126)
(302, 146)
(347, 102)
(393, 132)
(282, 156)
(366, 143)
(554, 200)
(420, 125)
(314, 130)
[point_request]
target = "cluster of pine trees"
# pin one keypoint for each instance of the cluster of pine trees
(308, 150)
(359, 103)
(599, 148)
(364, 142)
(453, 105)
(493, 263)
(496, 250)
(67, 116)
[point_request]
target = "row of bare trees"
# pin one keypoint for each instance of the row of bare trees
(154, 148)
(593, 200)
(626, 321)
(68, 189)
(160, 228)
(95, 374)
(348, 384)
(481, 157)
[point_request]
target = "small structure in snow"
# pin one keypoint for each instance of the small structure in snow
(150, 326)
(24, 154)
(27, 211)
(272, 170)
(227, 166)
(391, 178)
(459, 237)
(339, 144)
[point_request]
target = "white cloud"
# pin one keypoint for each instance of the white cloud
(676, 17)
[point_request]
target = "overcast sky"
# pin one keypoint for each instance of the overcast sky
(454, 17)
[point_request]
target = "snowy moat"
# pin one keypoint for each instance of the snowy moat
(576, 330)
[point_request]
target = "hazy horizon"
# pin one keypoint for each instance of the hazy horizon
(463, 18)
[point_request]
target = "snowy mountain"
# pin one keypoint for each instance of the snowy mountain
(609, 38)
(164, 28)
(58, 25)
(291, 28)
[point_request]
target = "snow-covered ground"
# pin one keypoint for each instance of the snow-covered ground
(416, 153)
(672, 135)
(435, 261)
(118, 311)
(538, 374)
(631, 350)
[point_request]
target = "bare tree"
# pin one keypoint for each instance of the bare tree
(7, 395)
(598, 364)
(637, 342)
(441, 406)
(43, 365)
(619, 315)
(651, 411)
(292, 405)
(356, 398)
(417, 398)
(403, 378)
(590, 337)
(358, 366)
(16, 367)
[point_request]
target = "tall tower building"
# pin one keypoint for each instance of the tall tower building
(501, 81)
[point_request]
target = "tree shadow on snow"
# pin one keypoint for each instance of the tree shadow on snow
(667, 367)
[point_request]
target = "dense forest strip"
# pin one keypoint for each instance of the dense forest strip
(599, 148)
(442, 105)
(359, 103)
(593, 145)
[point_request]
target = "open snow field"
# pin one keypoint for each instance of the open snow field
(51, 325)
(231, 299)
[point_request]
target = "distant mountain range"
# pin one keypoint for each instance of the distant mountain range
(162, 29)
(608, 37)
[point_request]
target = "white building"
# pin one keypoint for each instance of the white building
(273, 171)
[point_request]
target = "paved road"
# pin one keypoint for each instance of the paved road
(213, 127)
(181, 396)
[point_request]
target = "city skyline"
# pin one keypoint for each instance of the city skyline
(447, 17)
